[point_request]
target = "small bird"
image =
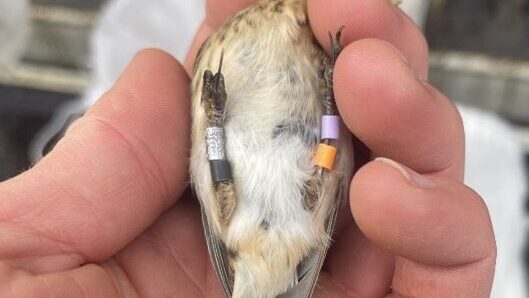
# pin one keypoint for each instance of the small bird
(270, 161)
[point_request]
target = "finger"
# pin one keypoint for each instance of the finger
(370, 19)
(440, 229)
(116, 170)
(204, 31)
(86, 281)
(358, 266)
(171, 256)
(396, 114)
(217, 12)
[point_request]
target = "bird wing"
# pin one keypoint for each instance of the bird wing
(219, 256)
(310, 267)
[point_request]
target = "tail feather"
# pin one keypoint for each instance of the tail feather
(264, 276)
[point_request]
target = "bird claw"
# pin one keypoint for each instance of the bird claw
(336, 44)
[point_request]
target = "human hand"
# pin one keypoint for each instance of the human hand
(94, 217)
(106, 214)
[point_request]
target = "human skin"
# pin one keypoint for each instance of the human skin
(107, 213)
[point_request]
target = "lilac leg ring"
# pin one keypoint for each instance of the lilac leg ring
(330, 127)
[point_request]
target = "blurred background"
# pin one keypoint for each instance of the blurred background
(58, 56)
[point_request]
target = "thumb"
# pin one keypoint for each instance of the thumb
(439, 229)
(115, 171)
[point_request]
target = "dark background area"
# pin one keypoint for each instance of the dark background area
(58, 47)
(77, 4)
(495, 27)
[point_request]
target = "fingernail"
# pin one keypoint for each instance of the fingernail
(413, 177)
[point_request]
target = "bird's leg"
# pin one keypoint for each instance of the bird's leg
(329, 104)
(330, 129)
(311, 193)
(214, 99)
(330, 122)
(207, 94)
(336, 44)
(214, 96)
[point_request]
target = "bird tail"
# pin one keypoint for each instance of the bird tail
(264, 274)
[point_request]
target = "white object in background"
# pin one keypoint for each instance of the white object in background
(127, 26)
(14, 33)
(495, 170)
(417, 10)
